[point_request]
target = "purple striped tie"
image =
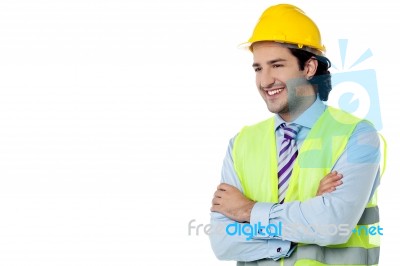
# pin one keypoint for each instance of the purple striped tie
(287, 156)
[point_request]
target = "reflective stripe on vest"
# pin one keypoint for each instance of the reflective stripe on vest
(313, 255)
(369, 216)
(344, 256)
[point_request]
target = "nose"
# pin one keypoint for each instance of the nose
(266, 79)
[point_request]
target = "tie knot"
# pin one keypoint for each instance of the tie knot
(290, 131)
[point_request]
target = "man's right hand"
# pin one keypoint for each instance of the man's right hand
(329, 183)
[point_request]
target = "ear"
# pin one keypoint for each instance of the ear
(310, 67)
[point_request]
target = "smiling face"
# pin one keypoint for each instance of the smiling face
(283, 86)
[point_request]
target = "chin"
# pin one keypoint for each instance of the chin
(274, 109)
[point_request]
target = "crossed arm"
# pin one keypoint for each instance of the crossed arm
(229, 201)
(334, 203)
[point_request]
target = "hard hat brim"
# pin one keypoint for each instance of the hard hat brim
(317, 51)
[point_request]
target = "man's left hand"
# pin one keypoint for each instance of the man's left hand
(229, 201)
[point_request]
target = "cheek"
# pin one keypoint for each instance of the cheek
(282, 76)
(257, 80)
(292, 80)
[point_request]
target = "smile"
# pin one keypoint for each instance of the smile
(273, 92)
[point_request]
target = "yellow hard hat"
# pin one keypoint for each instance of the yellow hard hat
(288, 24)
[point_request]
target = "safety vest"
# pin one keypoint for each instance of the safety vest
(255, 162)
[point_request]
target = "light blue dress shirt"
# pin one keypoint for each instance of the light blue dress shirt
(359, 165)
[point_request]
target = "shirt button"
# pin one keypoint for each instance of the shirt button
(278, 250)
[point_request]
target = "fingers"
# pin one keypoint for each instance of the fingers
(215, 208)
(328, 190)
(335, 176)
(224, 187)
(218, 194)
(331, 178)
(216, 201)
(330, 182)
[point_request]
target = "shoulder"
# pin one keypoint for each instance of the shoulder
(365, 126)
(340, 116)
(361, 125)
(253, 135)
(260, 126)
(364, 145)
(365, 132)
(255, 131)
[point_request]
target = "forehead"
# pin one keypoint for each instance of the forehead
(270, 50)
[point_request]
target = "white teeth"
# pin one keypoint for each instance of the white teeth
(274, 92)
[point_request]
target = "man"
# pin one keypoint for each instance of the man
(284, 172)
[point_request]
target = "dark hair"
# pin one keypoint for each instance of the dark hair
(322, 78)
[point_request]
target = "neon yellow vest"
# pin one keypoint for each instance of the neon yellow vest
(255, 162)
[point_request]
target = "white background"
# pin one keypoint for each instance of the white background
(115, 117)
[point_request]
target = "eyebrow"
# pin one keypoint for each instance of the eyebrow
(271, 62)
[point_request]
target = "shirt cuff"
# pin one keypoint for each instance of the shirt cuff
(259, 218)
(282, 248)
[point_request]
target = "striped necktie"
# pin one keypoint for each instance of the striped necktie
(287, 156)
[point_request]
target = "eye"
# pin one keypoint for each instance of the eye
(277, 65)
(257, 69)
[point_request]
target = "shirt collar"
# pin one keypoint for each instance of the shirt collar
(308, 117)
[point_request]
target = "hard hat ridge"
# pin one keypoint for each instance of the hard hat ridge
(287, 24)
